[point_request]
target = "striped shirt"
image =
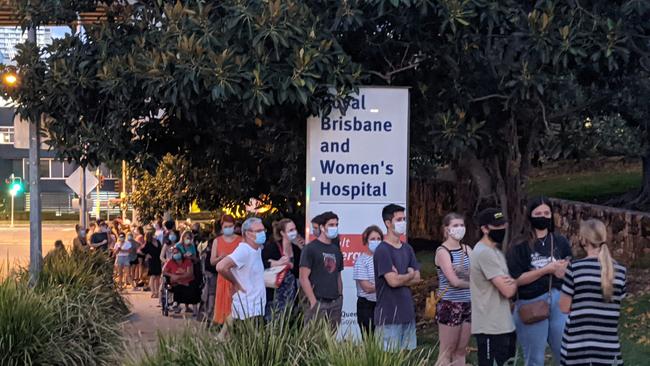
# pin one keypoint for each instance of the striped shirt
(591, 332)
(460, 263)
(364, 269)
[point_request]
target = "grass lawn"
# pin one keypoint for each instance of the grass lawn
(634, 325)
(586, 187)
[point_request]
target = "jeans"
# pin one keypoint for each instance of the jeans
(397, 337)
(365, 315)
(534, 337)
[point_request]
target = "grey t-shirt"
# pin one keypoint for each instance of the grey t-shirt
(490, 310)
(394, 304)
(326, 263)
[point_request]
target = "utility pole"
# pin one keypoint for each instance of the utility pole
(35, 236)
(83, 207)
(123, 194)
(99, 210)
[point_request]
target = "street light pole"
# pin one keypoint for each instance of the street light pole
(11, 191)
(35, 238)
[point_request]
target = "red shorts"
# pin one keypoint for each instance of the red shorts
(452, 313)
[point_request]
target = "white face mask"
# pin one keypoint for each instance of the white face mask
(400, 227)
(457, 232)
(292, 235)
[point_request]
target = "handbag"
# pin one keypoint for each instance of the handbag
(274, 276)
(539, 310)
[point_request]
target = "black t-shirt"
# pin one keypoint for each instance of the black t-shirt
(98, 238)
(522, 259)
(206, 261)
(326, 263)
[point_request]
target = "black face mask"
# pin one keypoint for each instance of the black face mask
(497, 235)
(540, 223)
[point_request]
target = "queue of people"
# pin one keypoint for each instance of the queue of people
(534, 295)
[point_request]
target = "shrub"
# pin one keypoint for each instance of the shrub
(282, 342)
(70, 317)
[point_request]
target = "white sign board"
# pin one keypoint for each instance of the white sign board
(357, 163)
(74, 181)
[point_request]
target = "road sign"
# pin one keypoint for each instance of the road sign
(74, 181)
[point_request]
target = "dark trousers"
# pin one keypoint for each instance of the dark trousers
(496, 348)
(365, 315)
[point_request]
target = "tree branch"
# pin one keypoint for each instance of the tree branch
(500, 96)
(572, 110)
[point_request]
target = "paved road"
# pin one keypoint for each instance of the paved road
(14, 242)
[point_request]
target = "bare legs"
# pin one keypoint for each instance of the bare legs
(453, 344)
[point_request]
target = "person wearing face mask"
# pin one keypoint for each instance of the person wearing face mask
(453, 312)
(282, 252)
(188, 250)
(396, 270)
(321, 263)
(491, 288)
(180, 271)
(223, 246)
(80, 242)
(538, 263)
(245, 270)
(122, 249)
(364, 275)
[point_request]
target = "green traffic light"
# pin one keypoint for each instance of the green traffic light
(15, 188)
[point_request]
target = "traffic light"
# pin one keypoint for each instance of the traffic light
(16, 186)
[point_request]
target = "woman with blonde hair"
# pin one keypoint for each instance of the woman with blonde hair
(454, 310)
(282, 251)
(591, 295)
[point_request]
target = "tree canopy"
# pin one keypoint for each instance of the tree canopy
(226, 86)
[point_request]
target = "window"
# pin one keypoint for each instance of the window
(48, 169)
(68, 169)
(6, 135)
(56, 169)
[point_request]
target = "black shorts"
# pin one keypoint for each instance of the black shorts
(496, 349)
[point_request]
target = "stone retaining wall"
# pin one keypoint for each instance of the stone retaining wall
(628, 232)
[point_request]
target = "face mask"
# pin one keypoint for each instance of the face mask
(130, 238)
(400, 227)
(172, 238)
(315, 231)
(260, 238)
(187, 241)
(228, 231)
(177, 256)
(373, 244)
(540, 223)
(497, 235)
(332, 232)
(292, 235)
(82, 232)
(457, 232)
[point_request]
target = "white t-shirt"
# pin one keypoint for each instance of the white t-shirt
(249, 271)
(126, 246)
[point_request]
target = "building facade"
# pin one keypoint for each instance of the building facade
(56, 196)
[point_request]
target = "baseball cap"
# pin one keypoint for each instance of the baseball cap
(491, 216)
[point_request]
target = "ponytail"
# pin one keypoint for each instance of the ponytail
(606, 272)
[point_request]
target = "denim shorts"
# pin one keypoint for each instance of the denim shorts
(396, 337)
(122, 261)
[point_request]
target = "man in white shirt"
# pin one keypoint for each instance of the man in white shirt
(245, 269)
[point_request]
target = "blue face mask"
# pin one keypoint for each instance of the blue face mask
(177, 256)
(172, 238)
(373, 244)
(228, 231)
(332, 232)
(260, 238)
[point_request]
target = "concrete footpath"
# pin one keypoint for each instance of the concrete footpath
(146, 321)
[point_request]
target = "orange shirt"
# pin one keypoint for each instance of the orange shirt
(223, 299)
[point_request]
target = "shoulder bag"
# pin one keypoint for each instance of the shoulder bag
(274, 276)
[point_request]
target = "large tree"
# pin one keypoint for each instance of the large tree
(227, 86)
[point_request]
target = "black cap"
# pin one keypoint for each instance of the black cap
(491, 216)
